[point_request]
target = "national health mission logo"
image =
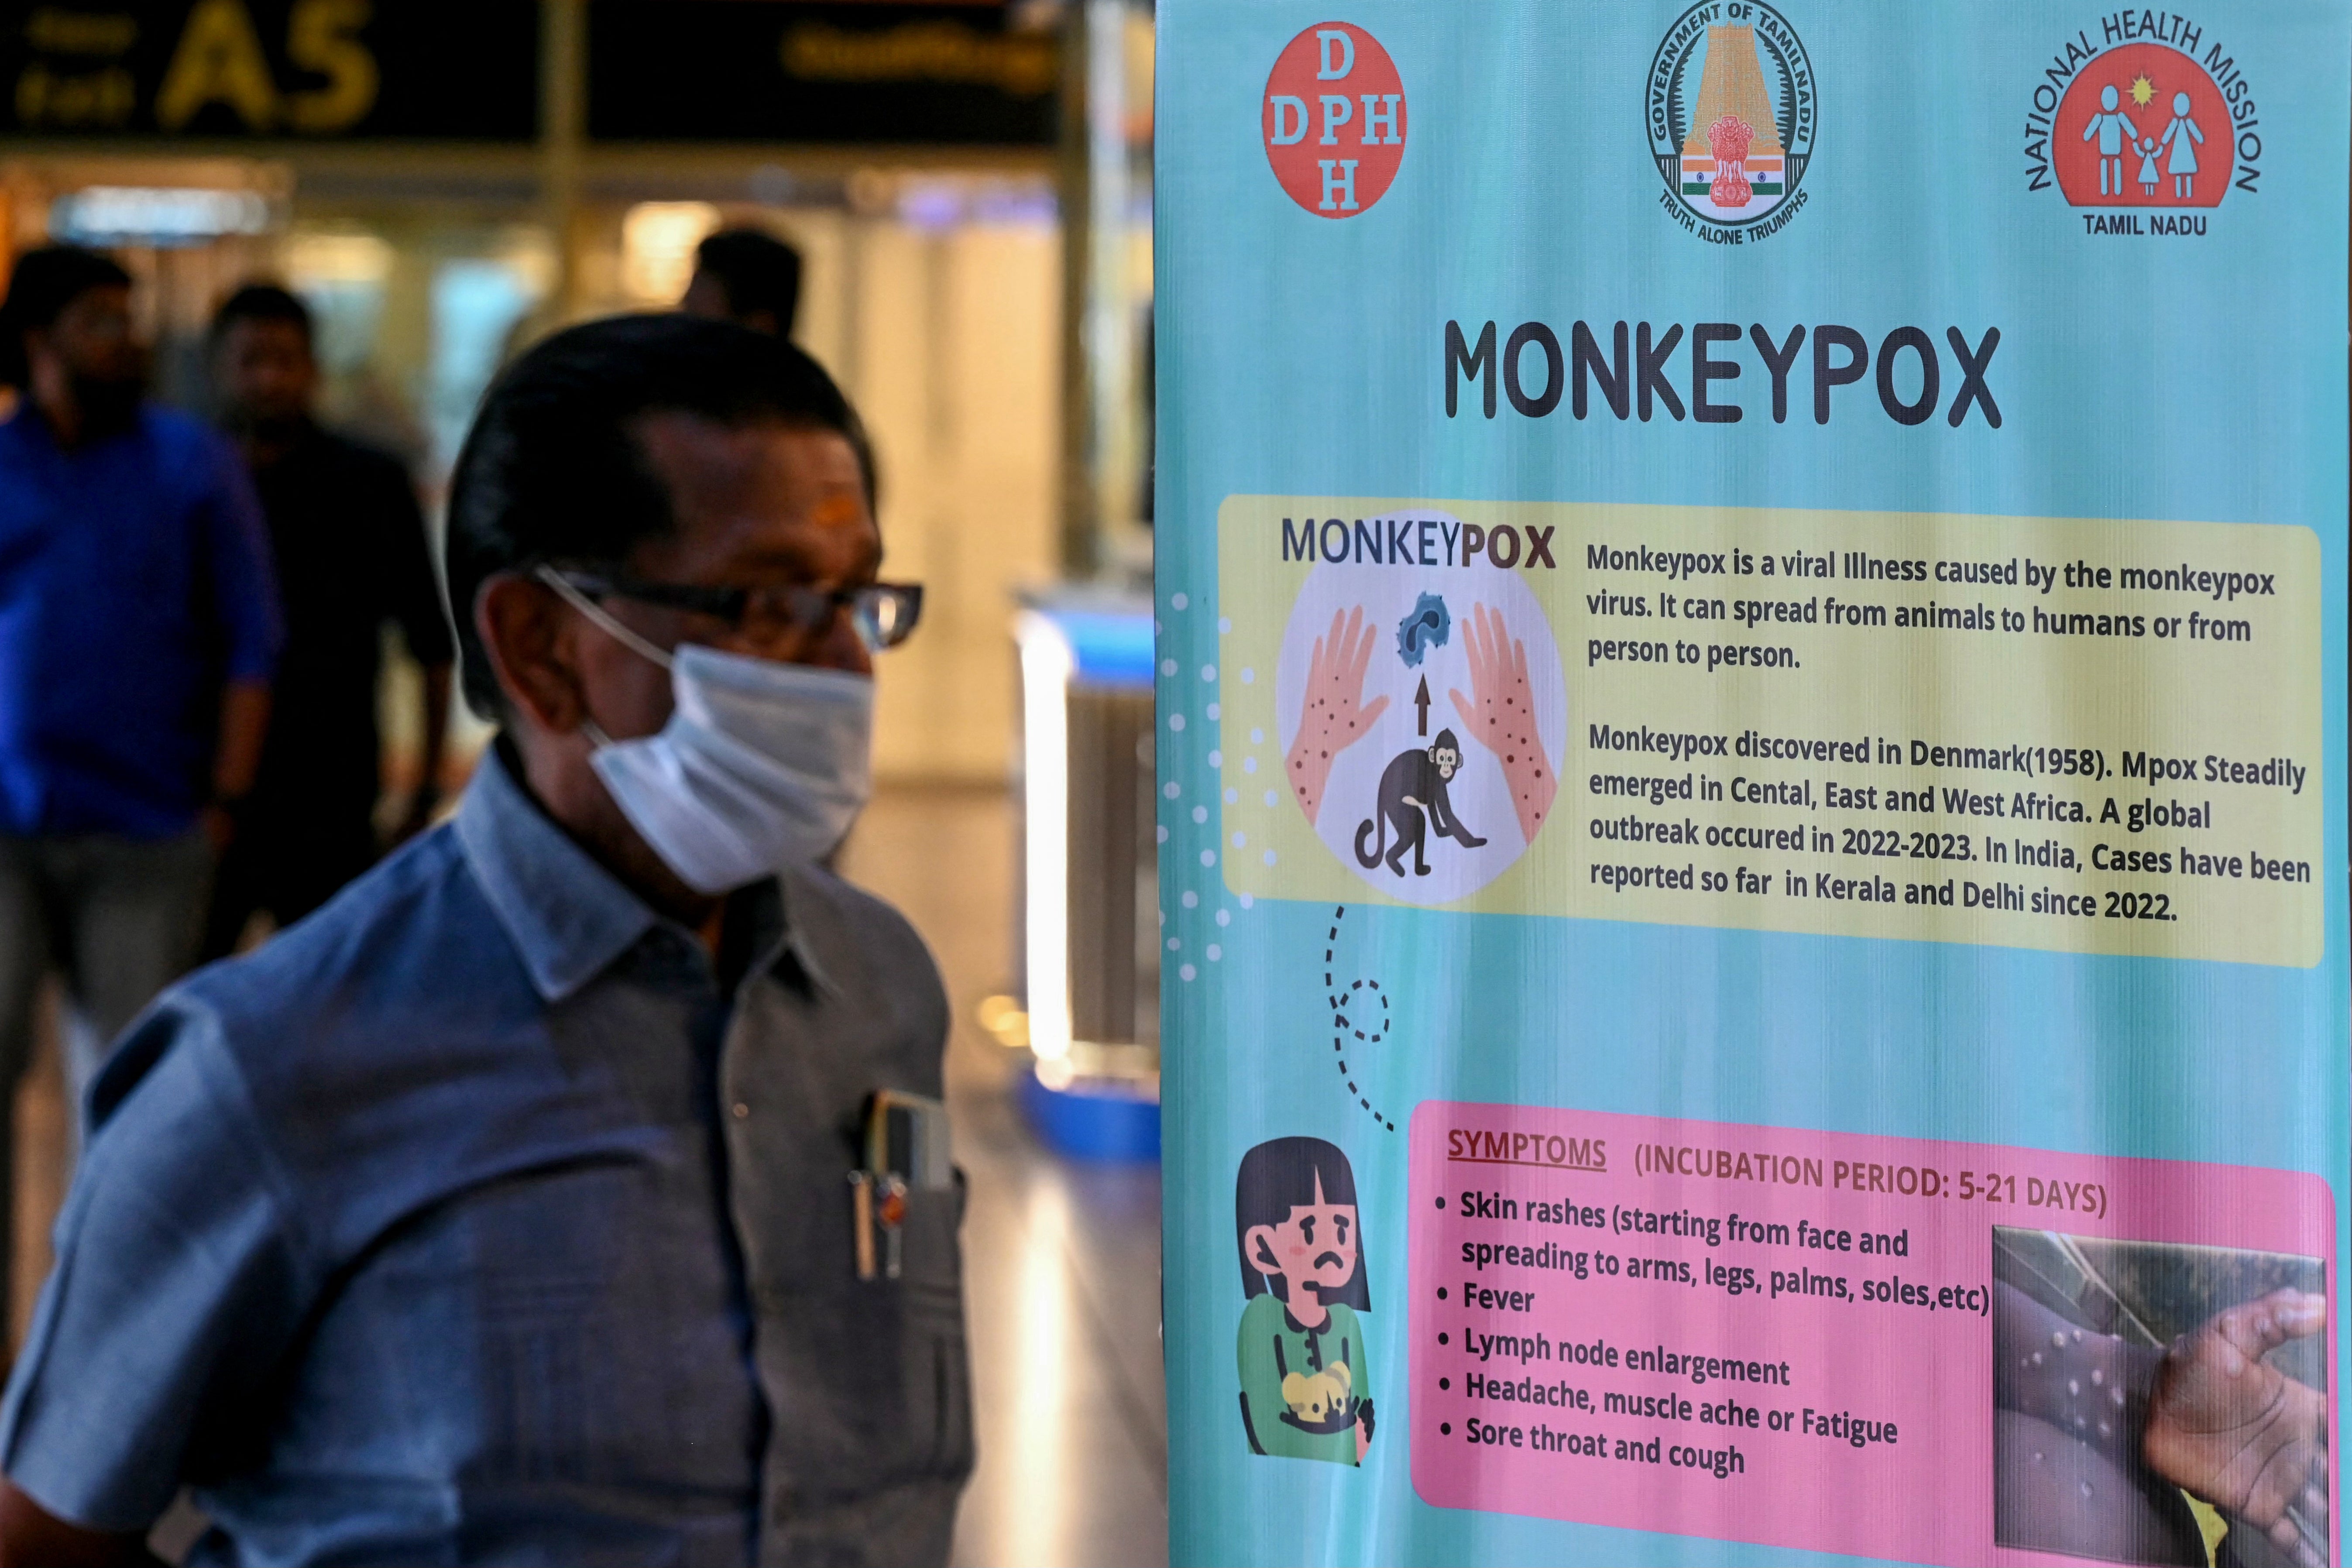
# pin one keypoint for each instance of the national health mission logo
(2147, 123)
(1731, 114)
(1334, 120)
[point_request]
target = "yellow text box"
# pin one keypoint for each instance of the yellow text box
(1896, 724)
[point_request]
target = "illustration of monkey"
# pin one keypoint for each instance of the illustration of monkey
(1415, 782)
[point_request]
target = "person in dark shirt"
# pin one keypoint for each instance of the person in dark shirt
(750, 279)
(352, 554)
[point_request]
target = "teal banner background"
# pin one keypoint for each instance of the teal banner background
(2197, 377)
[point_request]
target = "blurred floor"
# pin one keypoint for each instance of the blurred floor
(1061, 1259)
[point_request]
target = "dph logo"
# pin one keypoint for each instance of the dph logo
(1334, 121)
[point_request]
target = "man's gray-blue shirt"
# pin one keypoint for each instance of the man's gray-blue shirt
(472, 1221)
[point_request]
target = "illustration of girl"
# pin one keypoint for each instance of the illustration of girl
(1305, 1386)
(2178, 136)
(2147, 174)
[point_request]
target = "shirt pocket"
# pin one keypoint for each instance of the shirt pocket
(936, 1357)
(870, 1380)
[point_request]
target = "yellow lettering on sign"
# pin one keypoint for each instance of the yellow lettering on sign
(320, 38)
(219, 60)
(60, 32)
(104, 98)
(1024, 66)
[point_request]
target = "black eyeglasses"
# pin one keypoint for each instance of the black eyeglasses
(884, 613)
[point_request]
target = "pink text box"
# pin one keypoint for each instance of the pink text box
(1921, 1360)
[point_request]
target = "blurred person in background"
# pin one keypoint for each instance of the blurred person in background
(351, 552)
(503, 1210)
(138, 633)
(750, 279)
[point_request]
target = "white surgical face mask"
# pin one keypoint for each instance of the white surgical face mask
(761, 766)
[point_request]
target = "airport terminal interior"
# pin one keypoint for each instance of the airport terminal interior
(978, 278)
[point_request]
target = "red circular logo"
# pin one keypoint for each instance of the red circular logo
(1334, 120)
(2143, 126)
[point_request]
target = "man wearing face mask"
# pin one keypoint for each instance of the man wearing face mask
(138, 633)
(503, 1210)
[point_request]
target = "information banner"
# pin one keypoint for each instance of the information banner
(1751, 741)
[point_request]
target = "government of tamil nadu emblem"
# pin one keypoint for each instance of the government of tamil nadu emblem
(1730, 114)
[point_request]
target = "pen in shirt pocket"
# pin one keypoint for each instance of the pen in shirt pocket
(907, 1148)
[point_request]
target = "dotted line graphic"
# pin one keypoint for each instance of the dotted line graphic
(1356, 1000)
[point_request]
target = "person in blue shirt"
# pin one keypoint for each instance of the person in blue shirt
(502, 1211)
(138, 630)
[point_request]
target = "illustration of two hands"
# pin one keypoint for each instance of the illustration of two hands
(1499, 713)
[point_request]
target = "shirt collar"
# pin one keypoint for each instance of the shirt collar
(569, 917)
(31, 430)
(27, 424)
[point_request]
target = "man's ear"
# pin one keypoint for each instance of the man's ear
(1259, 1242)
(525, 629)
